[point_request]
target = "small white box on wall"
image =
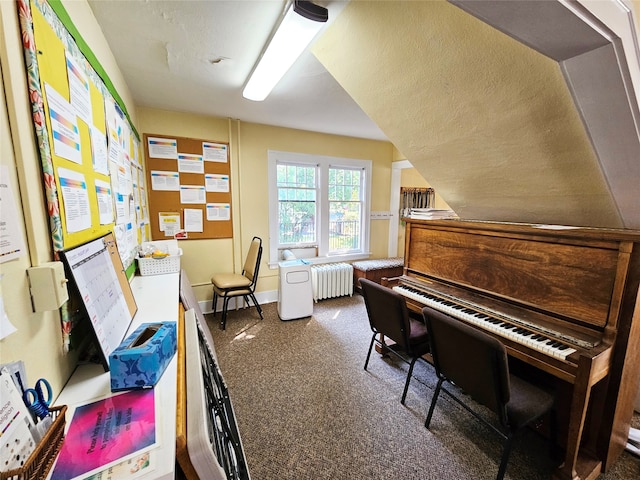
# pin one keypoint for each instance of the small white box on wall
(48, 286)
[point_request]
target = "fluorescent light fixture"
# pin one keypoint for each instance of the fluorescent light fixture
(301, 22)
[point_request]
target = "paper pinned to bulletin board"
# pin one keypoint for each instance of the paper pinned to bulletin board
(189, 187)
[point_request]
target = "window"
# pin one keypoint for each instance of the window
(345, 209)
(297, 209)
(320, 204)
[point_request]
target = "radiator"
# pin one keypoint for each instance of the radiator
(331, 280)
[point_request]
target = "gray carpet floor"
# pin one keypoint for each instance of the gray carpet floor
(307, 410)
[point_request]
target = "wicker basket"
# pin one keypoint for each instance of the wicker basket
(41, 460)
(159, 266)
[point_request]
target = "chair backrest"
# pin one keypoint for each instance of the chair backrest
(252, 262)
(387, 311)
(473, 360)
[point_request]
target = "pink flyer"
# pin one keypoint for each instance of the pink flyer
(103, 432)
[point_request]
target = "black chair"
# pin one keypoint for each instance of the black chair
(389, 317)
(477, 363)
(228, 285)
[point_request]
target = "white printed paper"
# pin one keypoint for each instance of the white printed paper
(169, 223)
(192, 194)
(75, 199)
(168, 181)
(96, 277)
(99, 151)
(193, 220)
(105, 202)
(121, 208)
(214, 152)
(114, 149)
(190, 163)
(16, 425)
(122, 173)
(218, 211)
(6, 327)
(11, 239)
(214, 182)
(64, 126)
(131, 243)
(163, 148)
(79, 92)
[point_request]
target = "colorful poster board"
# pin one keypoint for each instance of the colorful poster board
(107, 432)
(93, 177)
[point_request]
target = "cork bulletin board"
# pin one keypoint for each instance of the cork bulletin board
(189, 187)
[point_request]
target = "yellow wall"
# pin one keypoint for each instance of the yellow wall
(38, 339)
(248, 146)
(465, 102)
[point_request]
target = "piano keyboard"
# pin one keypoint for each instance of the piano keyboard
(490, 322)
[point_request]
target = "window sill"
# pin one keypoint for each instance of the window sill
(350, 257)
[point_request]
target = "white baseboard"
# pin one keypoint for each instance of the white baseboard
(236, 302)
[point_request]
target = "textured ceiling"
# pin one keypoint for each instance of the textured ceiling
(195, 56)
(490, 122)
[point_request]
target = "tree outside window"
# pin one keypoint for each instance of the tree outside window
(297, 209)
(345, 209)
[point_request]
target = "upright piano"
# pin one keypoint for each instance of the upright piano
(563, 300)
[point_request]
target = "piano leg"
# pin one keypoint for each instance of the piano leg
(578, 463)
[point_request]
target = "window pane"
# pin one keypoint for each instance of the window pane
(296, 176)
(345, 209)
(296, 204)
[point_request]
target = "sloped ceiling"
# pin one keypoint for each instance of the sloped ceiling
(490, 122)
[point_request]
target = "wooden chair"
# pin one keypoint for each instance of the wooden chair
(477, 363)
(389, 317)
(228, 285)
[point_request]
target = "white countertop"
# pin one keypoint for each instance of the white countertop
(157, 299)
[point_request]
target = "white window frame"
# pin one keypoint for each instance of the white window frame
(322, 233)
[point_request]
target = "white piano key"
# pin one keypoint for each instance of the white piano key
(485, 321)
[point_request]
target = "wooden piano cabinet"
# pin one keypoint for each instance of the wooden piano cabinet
(622, 386)
(580, 460)
(583, 281)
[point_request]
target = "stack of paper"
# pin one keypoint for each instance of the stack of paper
(16, 426)
(431, 213)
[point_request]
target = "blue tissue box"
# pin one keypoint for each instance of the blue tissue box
(142, 357)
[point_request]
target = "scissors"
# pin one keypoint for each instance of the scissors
(35, 398)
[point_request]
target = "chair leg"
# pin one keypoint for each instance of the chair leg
(225, 305)
(215, 302)
(406, 384)
(433, 402)
(258, 307)
(508, 445)
(373, 338)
